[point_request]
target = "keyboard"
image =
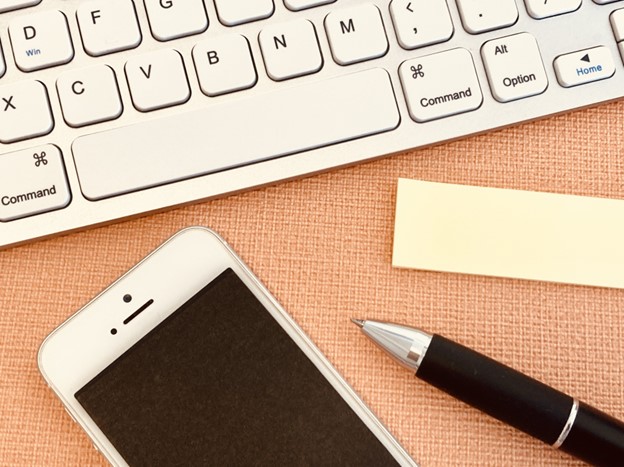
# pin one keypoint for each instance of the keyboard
(114, 108)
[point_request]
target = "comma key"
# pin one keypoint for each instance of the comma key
(32, 182)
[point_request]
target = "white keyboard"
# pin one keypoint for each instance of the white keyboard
(113, 108)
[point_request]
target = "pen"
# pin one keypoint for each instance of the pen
(504, 393)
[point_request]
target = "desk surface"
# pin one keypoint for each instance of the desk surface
(323, 246)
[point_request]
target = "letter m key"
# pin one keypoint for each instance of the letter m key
(348, 27)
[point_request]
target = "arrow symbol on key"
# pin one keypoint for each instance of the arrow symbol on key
(585, 58)
(409, 7)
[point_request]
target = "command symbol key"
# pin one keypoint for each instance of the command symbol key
(32, 182)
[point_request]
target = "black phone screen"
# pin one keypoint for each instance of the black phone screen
(220, 383)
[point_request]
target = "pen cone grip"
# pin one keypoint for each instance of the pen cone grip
(496, 389)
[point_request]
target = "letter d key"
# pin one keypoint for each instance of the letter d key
(41, 40)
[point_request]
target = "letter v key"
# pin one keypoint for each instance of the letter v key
(147, 73)
(167, 86)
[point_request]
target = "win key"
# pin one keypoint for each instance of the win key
(32, 182)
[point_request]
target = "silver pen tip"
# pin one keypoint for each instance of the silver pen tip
(358, 322)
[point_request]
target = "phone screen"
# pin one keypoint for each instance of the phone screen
(219, 382)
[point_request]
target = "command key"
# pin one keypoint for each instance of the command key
(32, 182)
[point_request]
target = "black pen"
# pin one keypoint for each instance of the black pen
(504, 393)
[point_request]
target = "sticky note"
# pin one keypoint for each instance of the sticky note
(509, 233)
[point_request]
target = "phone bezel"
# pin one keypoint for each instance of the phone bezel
(83, 346)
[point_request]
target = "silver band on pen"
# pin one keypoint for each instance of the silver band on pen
(568, 426)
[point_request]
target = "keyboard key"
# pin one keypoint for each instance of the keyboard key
(356, 34)
(233, 12)
(24, 111)
(539, 9)
(604, 2)
(440, 85)
(41, 40)
(296, 5)
(584, 66)
(157, 79)
(420, 23)
(234, 133)
(8, 5)
(290, 49)
(2, 64)
(171, 19)
(32, 182)
(486, 15)
(108, 26)
(89, 95)
(617, 23)
(514, 67)
(224, 64)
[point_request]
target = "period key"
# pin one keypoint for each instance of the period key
(32, 181)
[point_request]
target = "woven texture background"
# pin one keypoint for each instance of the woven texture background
(323, 245)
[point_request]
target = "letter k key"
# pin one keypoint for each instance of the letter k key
(8, 103)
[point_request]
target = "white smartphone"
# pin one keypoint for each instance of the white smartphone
(188, 360)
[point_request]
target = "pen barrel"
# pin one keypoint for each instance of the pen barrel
(496, 389)
(596, 438)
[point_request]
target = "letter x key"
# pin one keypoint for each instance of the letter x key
(8, 103)
(25, 111)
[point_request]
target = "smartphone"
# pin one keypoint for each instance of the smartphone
(188, 360)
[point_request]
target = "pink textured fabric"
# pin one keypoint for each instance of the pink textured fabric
(323, 247)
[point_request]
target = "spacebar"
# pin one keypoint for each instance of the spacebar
(235, 133)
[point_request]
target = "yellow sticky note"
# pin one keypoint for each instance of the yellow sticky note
(509, 233)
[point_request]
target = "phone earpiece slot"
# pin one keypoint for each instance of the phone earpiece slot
(139, 311)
